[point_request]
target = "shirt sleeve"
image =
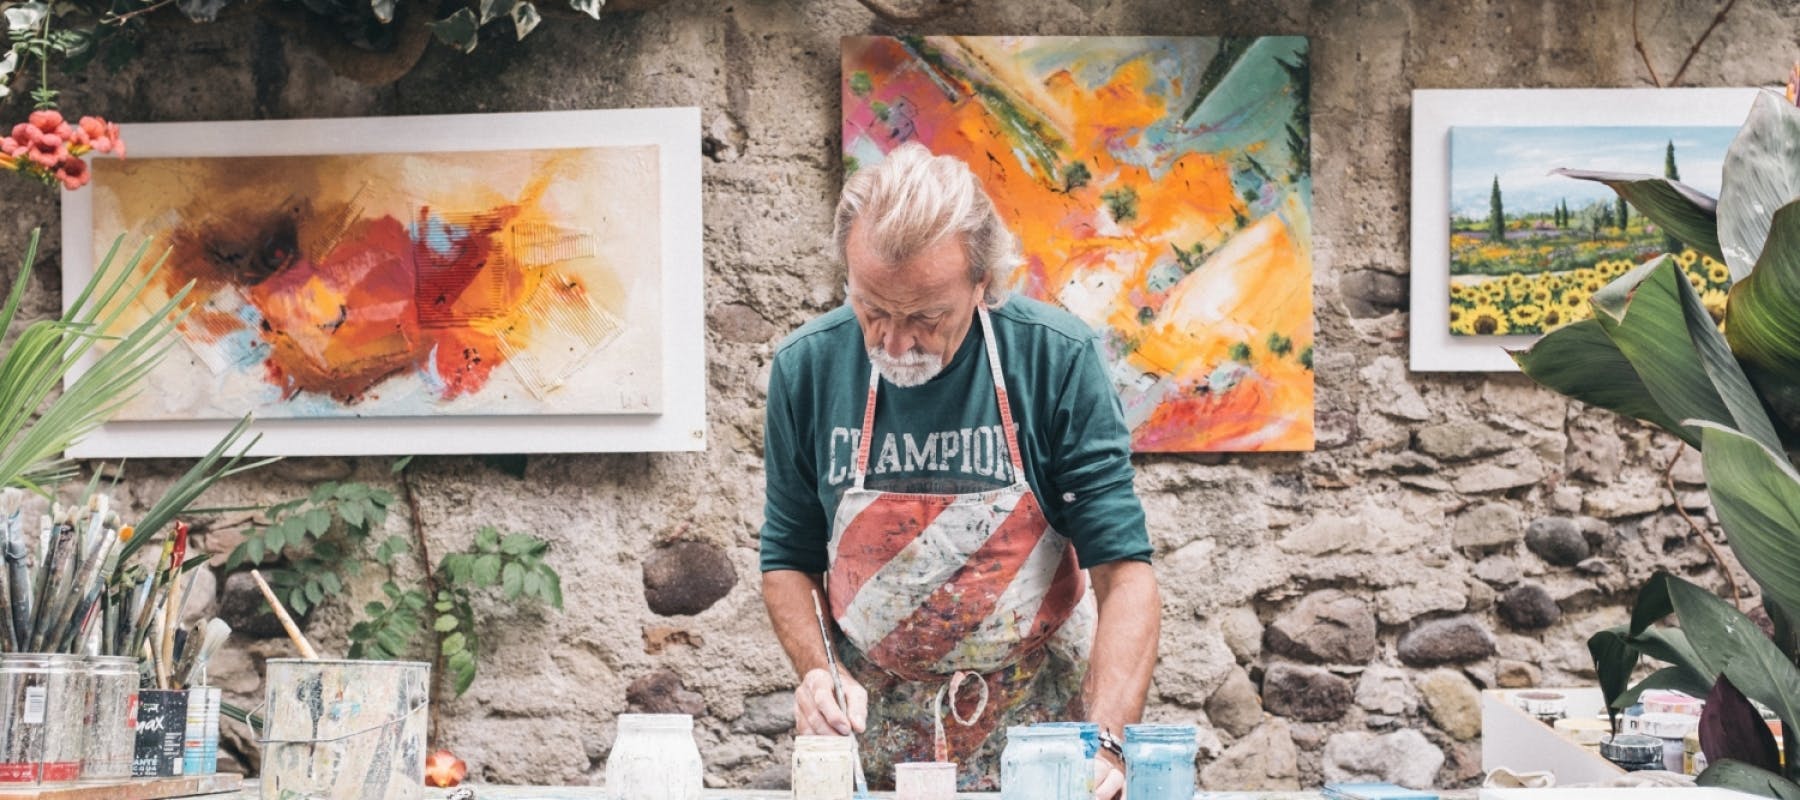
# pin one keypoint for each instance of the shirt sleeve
(793, 532)
(1094, 502)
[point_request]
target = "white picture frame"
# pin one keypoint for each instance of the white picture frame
(1432, 348)
(679, 426)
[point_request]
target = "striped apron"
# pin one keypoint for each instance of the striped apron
(924, 585)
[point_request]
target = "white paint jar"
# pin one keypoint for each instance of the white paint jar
(925, 780)
(655, 758)
(824, 767)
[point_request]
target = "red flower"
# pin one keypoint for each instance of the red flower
(74, 174)
(47, 121)
(102, 135)
(49, 151)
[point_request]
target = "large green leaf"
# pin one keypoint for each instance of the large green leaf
(1756, 492)
(1685, 212)
(1680, 679)
(1763, 319)
(1727, 640)
(1662, 328)
(1614, 660)
(1762, 174)
(1579, 361)
(1745, 778)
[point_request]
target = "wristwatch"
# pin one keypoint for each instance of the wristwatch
(1111, 744)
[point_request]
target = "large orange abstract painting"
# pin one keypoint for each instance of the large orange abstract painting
(1161, 191)
(499, 282)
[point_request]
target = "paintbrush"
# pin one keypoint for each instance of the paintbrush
(86, 588)
(287, 622)
(12, 503)
(172, 606)
(141, 629)
(837, 686)
(210, 642)
(50, 600)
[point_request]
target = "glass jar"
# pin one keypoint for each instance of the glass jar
(654, 758)
(1043, 764)
(1547, 707)
(824, 767)
(925, 780)
(111, 718)
(1159, 761)
(43, 703)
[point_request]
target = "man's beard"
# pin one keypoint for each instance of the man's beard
(910, 369)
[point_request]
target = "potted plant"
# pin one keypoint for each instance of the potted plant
(1729, 386)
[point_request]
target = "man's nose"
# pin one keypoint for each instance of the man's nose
(896, 341)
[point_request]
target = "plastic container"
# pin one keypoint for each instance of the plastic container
(824, 767)
(1043, 764)
(1667, 701)
(925, 780)
(1548, 707)
(1587, 732)
(1633, 752)
(43, 705)
(1671, 728)
(111, 718)
(1159, 761)
(654, 758)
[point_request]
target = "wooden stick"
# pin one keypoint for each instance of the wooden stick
(293, 631)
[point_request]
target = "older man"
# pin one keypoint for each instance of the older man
(953, 467)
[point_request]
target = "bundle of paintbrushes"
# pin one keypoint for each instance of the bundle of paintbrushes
(64, 590)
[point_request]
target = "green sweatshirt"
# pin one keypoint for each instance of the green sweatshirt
(944, 436)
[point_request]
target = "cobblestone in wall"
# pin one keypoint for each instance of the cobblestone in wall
(1480, 526)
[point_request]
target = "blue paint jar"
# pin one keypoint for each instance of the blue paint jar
(1043, 764)
(1159, 761)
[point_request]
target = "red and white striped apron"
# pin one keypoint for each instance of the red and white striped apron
(923, 585)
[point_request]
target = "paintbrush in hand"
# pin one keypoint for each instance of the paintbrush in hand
(837, 686)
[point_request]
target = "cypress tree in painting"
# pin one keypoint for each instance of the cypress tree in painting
(1496, 215)
(1670, 243)
(1624, 214)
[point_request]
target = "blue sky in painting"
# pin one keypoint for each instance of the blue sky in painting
(1523, 156)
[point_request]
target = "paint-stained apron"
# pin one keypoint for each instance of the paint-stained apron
(925, 585)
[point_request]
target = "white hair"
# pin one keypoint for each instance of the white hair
(913, 200)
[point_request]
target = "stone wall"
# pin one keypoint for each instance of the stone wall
(1327, 614)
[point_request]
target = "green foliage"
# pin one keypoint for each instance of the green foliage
(1280, 345)
(326, 538)
(861, 84)
(1240, 351)
(1653, 351)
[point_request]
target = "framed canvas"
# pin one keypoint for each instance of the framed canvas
(1161, 191)
(511, 283)
(1502, 250)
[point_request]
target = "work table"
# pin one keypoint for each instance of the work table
(599, 793)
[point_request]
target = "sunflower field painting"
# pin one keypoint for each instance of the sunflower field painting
(1161, 191)
(1527, 249)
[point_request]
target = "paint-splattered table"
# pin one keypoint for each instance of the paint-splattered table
(598, 793)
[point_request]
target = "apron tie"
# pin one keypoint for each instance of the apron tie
(940, 747)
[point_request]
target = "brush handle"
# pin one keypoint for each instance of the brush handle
(287, 622)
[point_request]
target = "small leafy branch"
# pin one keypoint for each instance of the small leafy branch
(327, 536)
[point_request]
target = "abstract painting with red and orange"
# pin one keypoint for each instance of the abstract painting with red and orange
(1161, 191)
(418, 284)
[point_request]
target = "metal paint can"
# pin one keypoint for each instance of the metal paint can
(345, 730)
(1633, 752)
(161, 724)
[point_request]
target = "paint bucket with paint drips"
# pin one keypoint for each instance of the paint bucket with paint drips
(345, 730)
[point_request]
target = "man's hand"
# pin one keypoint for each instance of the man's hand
(816, 711)
(1109, 780)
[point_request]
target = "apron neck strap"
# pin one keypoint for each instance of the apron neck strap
(1006, 417)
